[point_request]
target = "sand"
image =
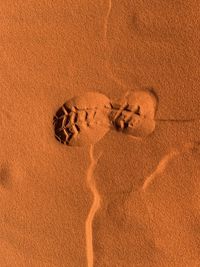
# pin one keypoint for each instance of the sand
(122, 201)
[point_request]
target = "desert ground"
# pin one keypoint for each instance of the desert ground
(122, 201)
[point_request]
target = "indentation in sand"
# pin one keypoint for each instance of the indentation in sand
(85, 119)
(134, 114)
(5, 176)
(82, 120)
(95, 206)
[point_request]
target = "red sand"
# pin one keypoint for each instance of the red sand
(54, 50)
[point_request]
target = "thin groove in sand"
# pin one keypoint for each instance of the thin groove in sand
(95, 206)
(160, 168)
(163, 164)
(106, 20)
(107, 47)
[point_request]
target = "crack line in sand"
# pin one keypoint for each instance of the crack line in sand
(95, 206)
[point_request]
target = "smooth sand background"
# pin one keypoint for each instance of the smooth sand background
(53, 50)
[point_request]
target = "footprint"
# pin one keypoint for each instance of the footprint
(82, 120)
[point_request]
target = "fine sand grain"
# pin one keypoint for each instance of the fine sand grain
(124, 192)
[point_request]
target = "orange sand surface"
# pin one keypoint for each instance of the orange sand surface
(122, 202)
